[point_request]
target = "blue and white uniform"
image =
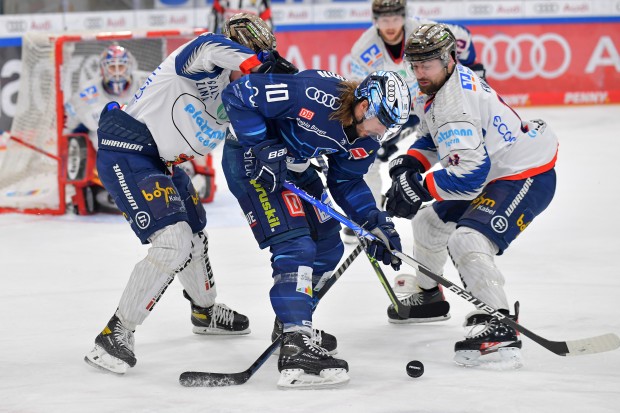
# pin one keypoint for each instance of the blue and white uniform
(305, 245)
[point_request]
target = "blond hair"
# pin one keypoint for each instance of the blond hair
(344, 114)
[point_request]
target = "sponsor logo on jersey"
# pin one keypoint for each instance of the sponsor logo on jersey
(206, 135)
(310, 127)
(90, 94)
(359, 153)
(324, 73)
(322, 151)
(122, 145)
(451, 136)
(124, 187)
(251, 219)
(208, 89)
(270, 213)
(306, 114)
(293, 204)
(499, 224)
(371, 55)
(167, 193)
(521, 224)
(467, 81)
(502, 129)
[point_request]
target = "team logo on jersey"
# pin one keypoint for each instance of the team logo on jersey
(89, 94)
(359, 153)
(454, 160)
(251, 219)
(371, 55)
(306, 114)
(293, 204)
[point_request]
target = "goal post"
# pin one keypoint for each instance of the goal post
(41, 157)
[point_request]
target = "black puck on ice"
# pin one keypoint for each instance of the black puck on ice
(415, 368)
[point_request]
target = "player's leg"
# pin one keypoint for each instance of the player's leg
(208, 317)
(150, 202)
(278, 222)
(431, 229)
(493, 220)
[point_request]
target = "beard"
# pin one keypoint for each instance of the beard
(431, 88)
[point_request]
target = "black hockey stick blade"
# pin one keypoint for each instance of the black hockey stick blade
(208, 379)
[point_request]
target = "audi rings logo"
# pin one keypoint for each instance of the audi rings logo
(480, 9)
(546, 8)
(524, 56)
(16, 26)
(325, 99)
(391, 91)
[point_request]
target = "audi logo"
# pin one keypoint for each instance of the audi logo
(480, 9)
(517, 62)
(325, 99)
(335, 13)
(546, 8)
(93, 23)
(13, 26)
(157, 20)
(391, 90)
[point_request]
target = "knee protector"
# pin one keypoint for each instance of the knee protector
(171, 247)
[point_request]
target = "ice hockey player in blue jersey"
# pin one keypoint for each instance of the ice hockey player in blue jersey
(282, 122)
(497, 174)
(176, 115)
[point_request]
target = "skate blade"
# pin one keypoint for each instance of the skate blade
(420, 320)
(507, 358)
(100, 359)
(291, 379)
(331, 353)
(209, 331)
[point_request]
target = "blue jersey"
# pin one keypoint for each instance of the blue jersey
(296, 109)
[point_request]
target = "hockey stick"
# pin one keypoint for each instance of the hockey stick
(591, 345)
(401, 309)
(208, 379)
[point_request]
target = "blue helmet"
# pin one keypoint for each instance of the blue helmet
(116, 65)
(388, 98)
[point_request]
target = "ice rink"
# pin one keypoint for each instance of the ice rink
(62, 278)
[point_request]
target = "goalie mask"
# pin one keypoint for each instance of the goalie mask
(388, 99)
(116, 65)
(251, 31)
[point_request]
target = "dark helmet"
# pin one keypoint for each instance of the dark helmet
(431, 41)
(249, 30)
(388, 7)
(388, 98)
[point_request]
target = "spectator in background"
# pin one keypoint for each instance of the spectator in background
(224, 9)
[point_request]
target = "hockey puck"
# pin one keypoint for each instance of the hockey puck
(415, 368)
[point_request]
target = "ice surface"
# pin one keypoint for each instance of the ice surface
(62, 278)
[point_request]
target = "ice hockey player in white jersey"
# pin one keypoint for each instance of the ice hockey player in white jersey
(176, 115)
(381, 47)
(223, 10)
(497, 174)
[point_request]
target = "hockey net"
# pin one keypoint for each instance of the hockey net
(38, 164)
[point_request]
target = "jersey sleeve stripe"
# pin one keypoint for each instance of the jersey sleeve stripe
(421, 158)
(532, 171)
(432, 188)
(249, 63)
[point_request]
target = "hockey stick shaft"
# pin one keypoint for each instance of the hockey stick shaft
(598, 344)
(209, 379)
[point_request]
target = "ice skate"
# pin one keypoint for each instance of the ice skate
(490, 343)
(319, 337)
(113, 350)
(304, 365)
(217, 320)
(426, 305)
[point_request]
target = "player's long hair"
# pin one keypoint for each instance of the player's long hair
(344, 114)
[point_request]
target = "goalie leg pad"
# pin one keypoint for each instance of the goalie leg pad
(168, 255)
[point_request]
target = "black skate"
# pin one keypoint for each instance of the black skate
(426, 305)
(319, 337)
(217, 320)
(304, 365)
(489, 335)
(113, 350)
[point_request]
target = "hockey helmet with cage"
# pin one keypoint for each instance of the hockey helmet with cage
(388, 8)
(116, 65)
(388, 99)
(431, 41)
(249, 30)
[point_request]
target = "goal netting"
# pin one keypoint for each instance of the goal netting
(33, 168)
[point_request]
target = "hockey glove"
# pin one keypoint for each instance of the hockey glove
(380, 224)
(404, 163)
(405, 196)
(274, 63)
(269, 164)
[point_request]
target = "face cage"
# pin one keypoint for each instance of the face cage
(116, 82)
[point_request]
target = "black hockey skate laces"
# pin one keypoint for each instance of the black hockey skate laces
(313, 347)
(123, 336)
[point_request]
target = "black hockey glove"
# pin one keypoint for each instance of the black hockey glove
(404, 163)
(405, 196)
(274, 63)
(380, 224)
(270, 164)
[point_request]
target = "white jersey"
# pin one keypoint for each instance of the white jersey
(370, 54)
(477, 139)
(181, 101)
(85, 106)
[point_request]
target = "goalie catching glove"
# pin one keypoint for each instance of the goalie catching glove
(405, 196)
(380, 224)
(269, 164)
